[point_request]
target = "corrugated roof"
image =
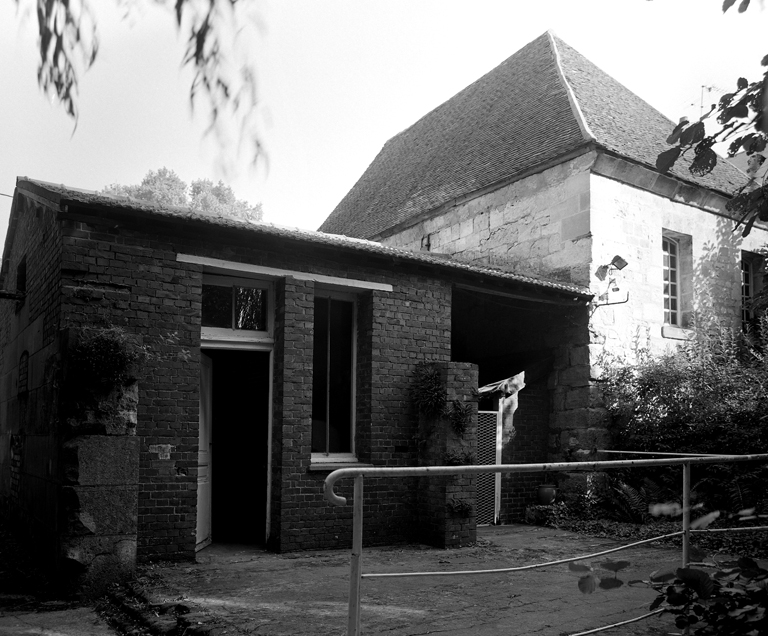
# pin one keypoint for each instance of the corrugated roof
(62, 195)
(513, 119)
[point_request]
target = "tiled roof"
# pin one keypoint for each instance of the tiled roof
(62, 195)
(517, 117)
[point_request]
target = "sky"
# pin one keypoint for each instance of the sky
(336, 80)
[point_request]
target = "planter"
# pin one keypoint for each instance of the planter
(546, 494)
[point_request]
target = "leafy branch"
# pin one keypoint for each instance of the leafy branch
(68, 46)
(743, 119)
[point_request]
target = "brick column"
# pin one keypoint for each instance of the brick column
(292, 407)
(447, 505)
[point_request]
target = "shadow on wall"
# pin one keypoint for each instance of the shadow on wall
(717, 278)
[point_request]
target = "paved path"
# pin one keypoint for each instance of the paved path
(81, 621)
(239, 590)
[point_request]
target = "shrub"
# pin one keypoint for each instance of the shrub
(708, 396)
(427, 390)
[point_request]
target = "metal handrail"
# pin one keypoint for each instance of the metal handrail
(353, 624)
(415, 471)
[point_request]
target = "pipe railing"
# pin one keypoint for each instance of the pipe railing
(356, 574)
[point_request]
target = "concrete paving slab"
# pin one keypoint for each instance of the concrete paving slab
(241, 590)
(81, 621)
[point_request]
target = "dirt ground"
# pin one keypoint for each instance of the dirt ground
(241, 590)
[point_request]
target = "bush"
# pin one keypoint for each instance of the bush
(708, 396)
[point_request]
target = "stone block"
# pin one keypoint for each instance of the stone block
(575, 226)
(100, 510)
(96, 562)
(101, 460)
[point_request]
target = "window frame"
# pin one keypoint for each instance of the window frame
(234, 336)
(754, 263)
(319, 458)
(672, 317)
(681, 330)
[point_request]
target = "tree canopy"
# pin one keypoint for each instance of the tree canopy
(742, 117)
(164, 186)
(69, 45)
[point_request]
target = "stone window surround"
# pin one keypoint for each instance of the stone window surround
(684, 244)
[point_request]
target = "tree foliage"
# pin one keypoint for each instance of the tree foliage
(165, 187)
(742, 117)
(68, 45)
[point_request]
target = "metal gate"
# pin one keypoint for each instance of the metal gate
(488, 454)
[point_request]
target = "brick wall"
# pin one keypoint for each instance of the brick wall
(529, 446)
(129, 276)
(28, 416)
(130, 279)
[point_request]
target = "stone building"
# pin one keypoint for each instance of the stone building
(547, 165)
(169, 378)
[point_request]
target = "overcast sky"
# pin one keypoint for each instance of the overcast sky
(336, 80)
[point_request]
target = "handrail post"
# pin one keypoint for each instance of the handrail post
(686, 513)
(356, 563)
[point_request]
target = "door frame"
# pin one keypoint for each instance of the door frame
(264, 348)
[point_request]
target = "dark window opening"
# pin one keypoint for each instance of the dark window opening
(24, 373)
(235, 307)
(21, 282)
(332, 377)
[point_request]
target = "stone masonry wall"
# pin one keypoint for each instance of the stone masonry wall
(539, 224)
(630, 221)
(528, 446)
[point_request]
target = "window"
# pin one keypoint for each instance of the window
(333, 378)
(751, 284)
(670, 249)
(677, 284)
(235, 308)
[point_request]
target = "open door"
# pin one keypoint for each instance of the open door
(204, 454)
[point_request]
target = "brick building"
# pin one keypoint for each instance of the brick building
(169, 378)
(548, 165)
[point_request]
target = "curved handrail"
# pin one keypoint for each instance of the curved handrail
(416, 471)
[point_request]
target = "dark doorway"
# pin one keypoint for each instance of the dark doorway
(240, 434)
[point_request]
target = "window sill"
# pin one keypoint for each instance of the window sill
(331, 466)
(677, 333)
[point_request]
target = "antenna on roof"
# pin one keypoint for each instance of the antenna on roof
(709, 89)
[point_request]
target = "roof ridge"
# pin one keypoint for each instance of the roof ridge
(578, 114)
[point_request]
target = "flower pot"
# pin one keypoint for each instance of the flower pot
(546, 494)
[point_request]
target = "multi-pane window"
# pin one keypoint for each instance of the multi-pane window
(234, 306)
(333, 376)
(671, 270)
(747, 289)
(752, 287)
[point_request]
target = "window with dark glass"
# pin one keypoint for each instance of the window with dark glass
(333, 376)
(234, 307)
